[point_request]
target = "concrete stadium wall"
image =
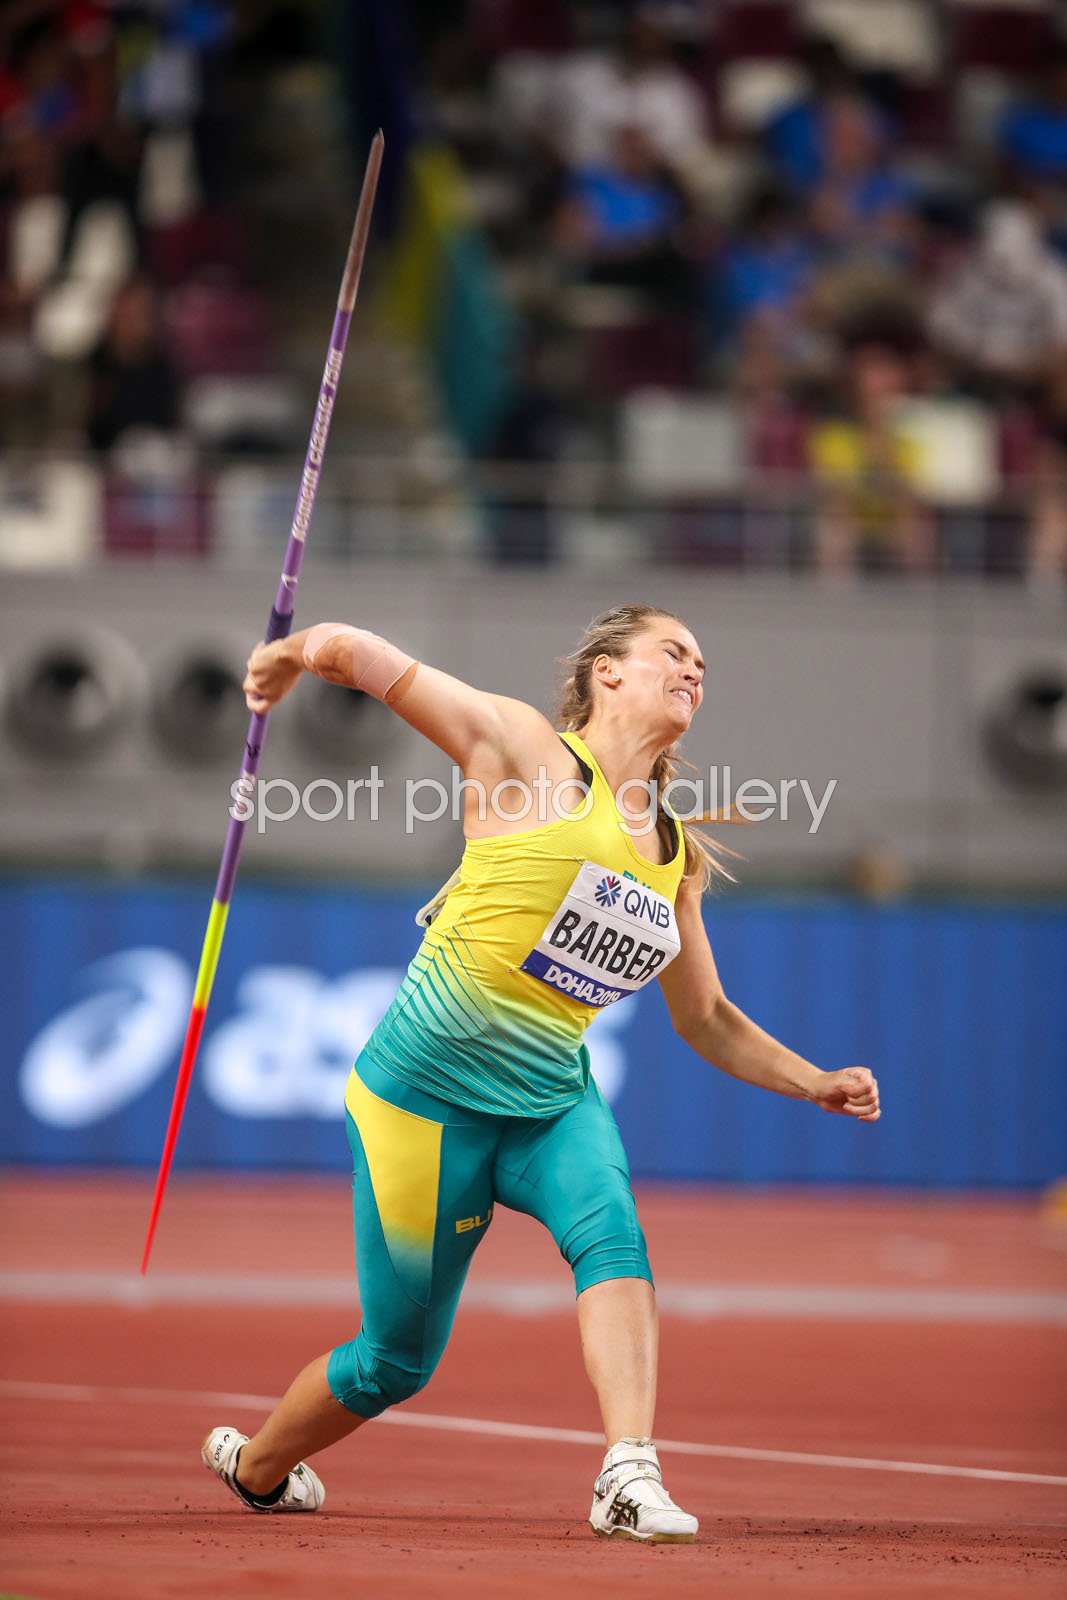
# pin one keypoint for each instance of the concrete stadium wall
(883, 686)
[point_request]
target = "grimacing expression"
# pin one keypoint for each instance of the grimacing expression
(664, 669)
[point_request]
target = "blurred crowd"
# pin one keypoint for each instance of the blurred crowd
(805, 258)
(844, 220)
(132, 326)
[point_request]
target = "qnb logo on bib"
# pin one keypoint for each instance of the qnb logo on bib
(607, 939)
(608, 890)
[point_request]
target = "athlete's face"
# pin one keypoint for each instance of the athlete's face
(664, 674)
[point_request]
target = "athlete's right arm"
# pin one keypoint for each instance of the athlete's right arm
(474, 728)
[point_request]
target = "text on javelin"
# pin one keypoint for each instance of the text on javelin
(320, 429)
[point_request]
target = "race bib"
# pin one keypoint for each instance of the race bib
(608, 938)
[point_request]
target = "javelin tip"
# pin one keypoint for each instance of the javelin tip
(361, 227)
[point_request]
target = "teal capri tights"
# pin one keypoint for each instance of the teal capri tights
(427, 1175)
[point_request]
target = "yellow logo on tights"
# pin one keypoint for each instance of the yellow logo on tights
(465, 1224)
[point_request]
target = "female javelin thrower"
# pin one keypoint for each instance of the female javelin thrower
(475, 1087)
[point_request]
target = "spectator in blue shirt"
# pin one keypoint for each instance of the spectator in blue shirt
(861, 207)
(625, 204)
(1033, 133)
(796, 137)
(765, 271)
(622, 218)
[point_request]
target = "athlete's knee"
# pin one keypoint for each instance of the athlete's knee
(607, 1241)
(368, 1384)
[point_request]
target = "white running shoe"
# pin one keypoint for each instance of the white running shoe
(629, 1498)
(219, 1453)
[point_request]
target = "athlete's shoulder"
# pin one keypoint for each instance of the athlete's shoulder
(527, 739)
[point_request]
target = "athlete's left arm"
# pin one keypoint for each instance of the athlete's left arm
(720, 1032)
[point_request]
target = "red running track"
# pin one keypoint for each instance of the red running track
(825, 1359)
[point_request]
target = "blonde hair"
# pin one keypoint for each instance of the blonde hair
(613, 634)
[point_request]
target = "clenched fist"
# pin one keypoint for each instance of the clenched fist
(854, 1092)
(272, 671)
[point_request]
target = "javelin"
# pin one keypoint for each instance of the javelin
(281, 621)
